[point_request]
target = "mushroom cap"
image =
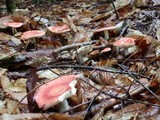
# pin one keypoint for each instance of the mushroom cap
(124, 42)
(13, 24)
(107, 49)
(59, 29)
(105, 28)
(56, 91)
(32, 34)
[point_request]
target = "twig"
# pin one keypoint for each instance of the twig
(71, 46)
(116, 99)
(105, 70)
(136, 80)
(71, 109)
(115, 9)
(90, 68)
(91, 103)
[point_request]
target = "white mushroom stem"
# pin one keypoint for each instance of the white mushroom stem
(63, 105)
(129, 50)
(106, 34)
(31, 40)
(14, 31)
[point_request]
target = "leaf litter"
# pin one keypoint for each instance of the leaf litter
(122, 83)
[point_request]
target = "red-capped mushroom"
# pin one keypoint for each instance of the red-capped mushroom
(13, 25)
(59, 29)
(127, 43)
(32, 34)
(56, 91)
(124, 42)
(107, 49)
(105, 30)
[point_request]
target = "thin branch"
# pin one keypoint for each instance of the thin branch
(91, 103)
(116, 99)
(91, 68)
(71, 46)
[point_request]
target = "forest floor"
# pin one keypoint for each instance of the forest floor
(107, 50)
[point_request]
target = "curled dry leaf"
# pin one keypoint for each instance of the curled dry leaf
(69, 21)
(12, 106)
(127, 113)
(123, 80)
(9, 40)
(5, 19)
(82, 37)
(102, 78)
(17, 90)
(158, 74)
(107, 63)
(84, 50)
(19, 85)
(141, 3)
(157, 51)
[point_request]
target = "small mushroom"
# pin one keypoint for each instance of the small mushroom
(60, 30)
(13, 25)
(107, 49)
(32, 34)
(105, 30)
(126, 43)
(56, 91)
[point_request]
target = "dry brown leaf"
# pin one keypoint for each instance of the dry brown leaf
(9, 40)
(12, 106)
(3, 107)
(68, 20)
(25, 116)
(102, 78)
(59, 116)
(141, 3)
(5, 19)
(123, 80)
(158, 74)
(127, 113)
(107, 63)
(82, 37)
(12, 90)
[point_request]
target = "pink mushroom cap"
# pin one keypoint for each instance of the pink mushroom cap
(56, 91)
(59, 29)
(124, 42)
(13, 24)
(107, 49)
(105, 28)
(32, 34)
